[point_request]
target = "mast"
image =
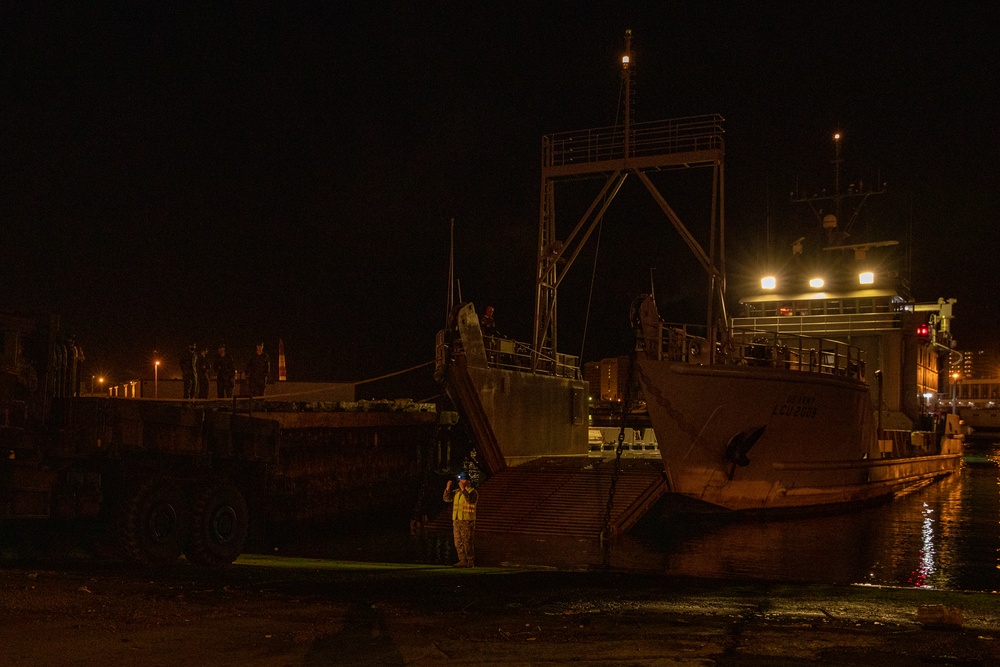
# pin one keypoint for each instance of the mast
(627, 79)
(611, 155)
(836, 233)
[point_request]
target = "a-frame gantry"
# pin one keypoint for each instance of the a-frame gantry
(614, 154)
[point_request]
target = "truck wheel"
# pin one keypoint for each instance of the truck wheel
(220, 525)
(155, 524)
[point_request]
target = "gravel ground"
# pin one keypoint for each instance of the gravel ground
(286, 611)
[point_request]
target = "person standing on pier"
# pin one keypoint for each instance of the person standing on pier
(189, 371)
(225, 373)
(463, 518)
(204, 368)
(258, 370)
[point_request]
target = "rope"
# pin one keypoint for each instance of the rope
(389, 375)
(329, 385)
(590, 295)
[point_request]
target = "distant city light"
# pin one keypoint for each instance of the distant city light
(836, 136)
(866, 278)
(768, 282)
(816, 283)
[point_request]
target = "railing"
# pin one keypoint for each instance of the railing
(797, 353)
(510, 354)
(810, 324)
(663, 137)
(751, 347)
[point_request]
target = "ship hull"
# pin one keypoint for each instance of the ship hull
(982, 420)
(747, 438)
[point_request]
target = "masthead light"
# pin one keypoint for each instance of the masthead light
(768, 282)
(816, 283)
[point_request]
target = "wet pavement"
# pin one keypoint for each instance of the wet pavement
(294, 611)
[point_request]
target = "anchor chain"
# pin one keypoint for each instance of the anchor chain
(607, 532)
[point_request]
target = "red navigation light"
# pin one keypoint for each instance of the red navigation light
(923, 331)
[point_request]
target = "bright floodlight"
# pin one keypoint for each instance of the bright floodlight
(624, 60)
(836, 137)
(768, 282)
(815, 283)
(866, 278)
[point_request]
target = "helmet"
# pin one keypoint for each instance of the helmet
(463, 475)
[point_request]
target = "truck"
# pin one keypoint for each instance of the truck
(149, 480)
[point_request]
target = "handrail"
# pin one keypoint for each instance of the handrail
(755, 347)
(661, 137)
(807, 324)
(515, 355)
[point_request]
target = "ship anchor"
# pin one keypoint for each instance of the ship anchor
(739, 445)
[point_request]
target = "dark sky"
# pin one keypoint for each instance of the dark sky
(229, 171)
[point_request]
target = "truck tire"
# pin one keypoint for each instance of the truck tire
(155, 523)
(220, 525)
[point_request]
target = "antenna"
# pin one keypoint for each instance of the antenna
(451, 277)
(836, 232)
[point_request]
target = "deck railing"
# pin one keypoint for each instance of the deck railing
(661, 137)
(514, 355)
(852, 323)
(753, 347)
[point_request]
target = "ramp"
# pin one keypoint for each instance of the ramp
(465, 397)
(566, 496)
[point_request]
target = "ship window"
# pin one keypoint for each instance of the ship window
(834, 307)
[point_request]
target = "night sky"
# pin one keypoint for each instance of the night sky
(230, 172)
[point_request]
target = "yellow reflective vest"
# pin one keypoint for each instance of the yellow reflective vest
(463, 506)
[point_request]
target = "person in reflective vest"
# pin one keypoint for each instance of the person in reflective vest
(463, 518)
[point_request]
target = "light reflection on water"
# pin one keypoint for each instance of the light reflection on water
(945, 535)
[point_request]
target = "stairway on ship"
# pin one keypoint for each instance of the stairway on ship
(566, 496)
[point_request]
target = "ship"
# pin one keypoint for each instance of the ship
(976, 399)
(824, 390)
(810, 397)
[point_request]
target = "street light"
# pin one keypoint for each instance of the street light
(156, 379)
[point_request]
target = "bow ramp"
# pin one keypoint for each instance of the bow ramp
(566, 495)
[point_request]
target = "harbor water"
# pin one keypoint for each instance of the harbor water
(945, 535)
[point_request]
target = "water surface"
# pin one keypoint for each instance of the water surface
(945, 535)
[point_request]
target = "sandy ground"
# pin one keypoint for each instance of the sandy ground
(285, 611)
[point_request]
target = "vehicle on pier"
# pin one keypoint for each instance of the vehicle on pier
(149, 479)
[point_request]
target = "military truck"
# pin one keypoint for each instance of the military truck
(153, 479)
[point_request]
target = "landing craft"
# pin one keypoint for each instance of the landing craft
(771, 409)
